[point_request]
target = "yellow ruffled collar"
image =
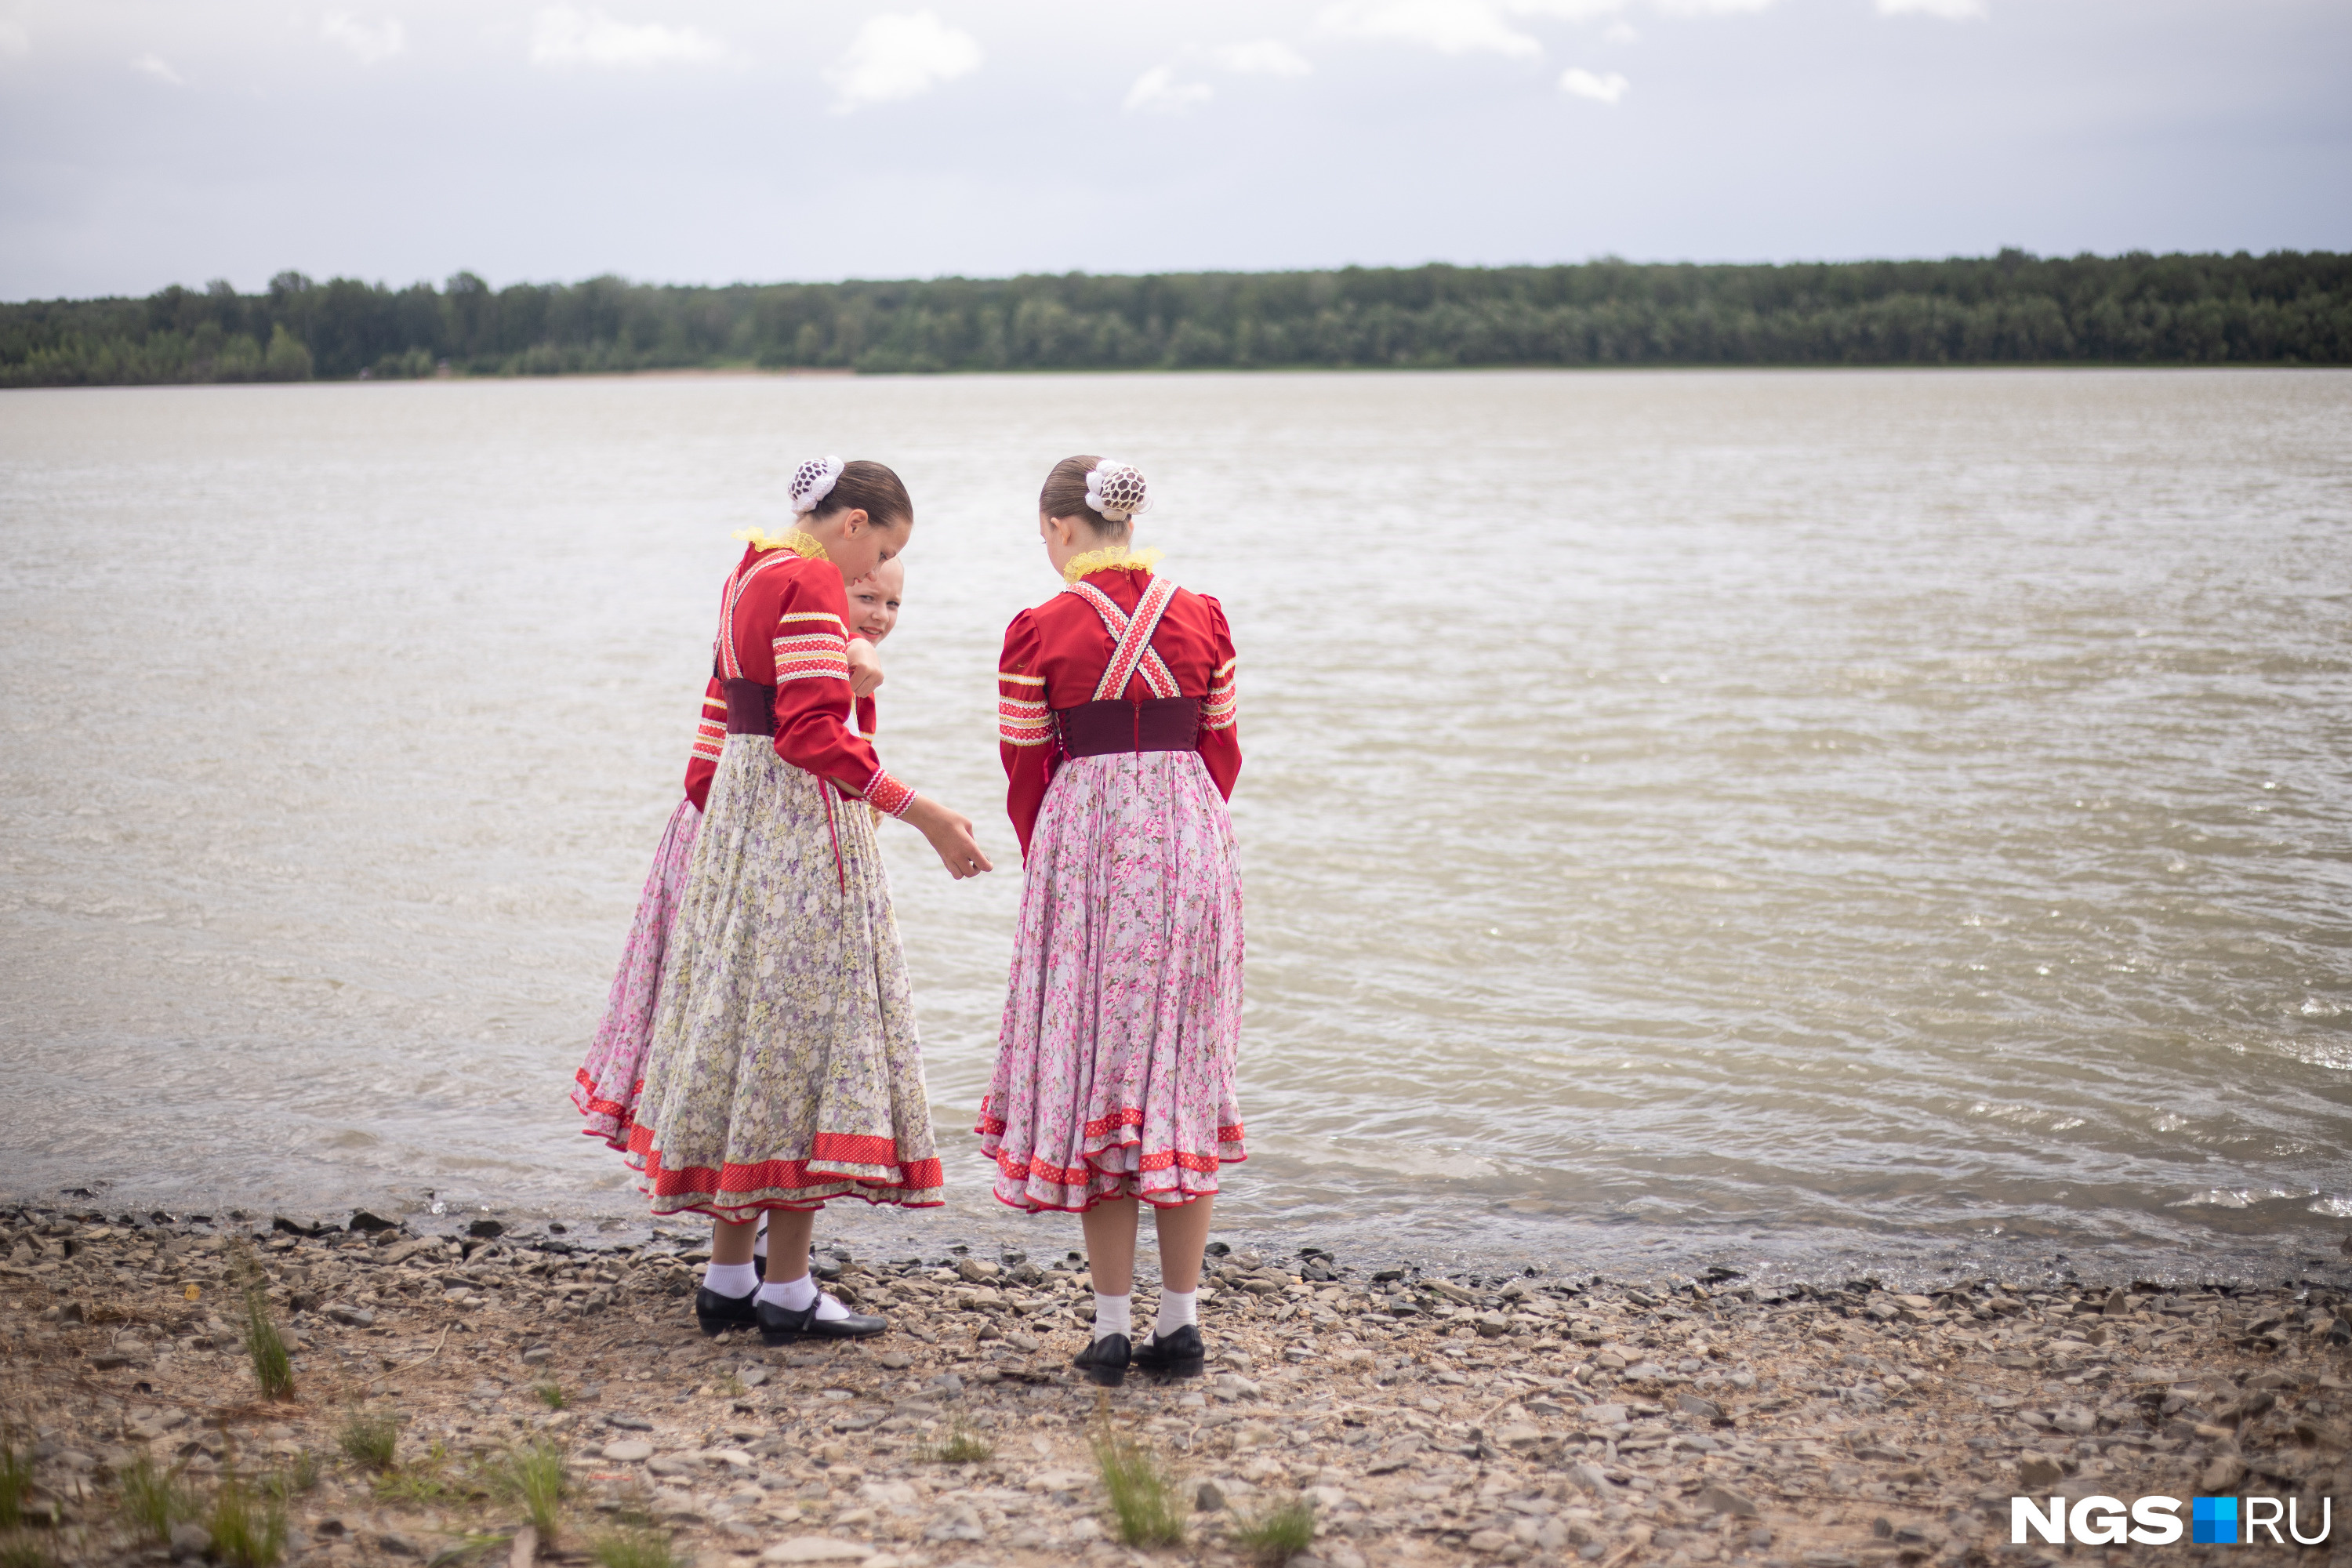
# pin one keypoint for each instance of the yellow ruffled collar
(792, 539)
(1111, 558)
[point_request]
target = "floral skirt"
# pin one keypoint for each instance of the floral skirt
(784, 1070)
(608, 1082)
(1115, 1060)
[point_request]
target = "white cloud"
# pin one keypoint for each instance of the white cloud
(1949, 10)
(158, 67)
(1571, 10)
(562, 36)
(1263, 56)
(14, 40)
(1711, 7)
(369, 42)
(895, 58)
(1156, 91)
(1579, 82)
(1449, 26)
(1621, 33)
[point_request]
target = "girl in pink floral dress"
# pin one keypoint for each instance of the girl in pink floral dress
(1114, 1079)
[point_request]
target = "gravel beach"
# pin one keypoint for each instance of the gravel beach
(1524, 1418)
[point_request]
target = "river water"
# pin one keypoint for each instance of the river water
(1804, 820)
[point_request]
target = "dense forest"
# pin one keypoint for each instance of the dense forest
(2286, 308)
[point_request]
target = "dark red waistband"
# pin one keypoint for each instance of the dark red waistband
(1100, 729)
(751, 707)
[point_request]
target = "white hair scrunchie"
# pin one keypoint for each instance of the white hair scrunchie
(1116, 490)
(812, 482)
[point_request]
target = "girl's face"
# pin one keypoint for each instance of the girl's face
(854, 543)
(874, 601)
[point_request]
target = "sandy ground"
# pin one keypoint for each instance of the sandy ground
(1527, 1419)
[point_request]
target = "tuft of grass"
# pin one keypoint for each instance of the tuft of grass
(551, 1396)
(963, 1445)
(248, 1530)
(16, 1481)
(1142, 1490)
(1272, 1536)
(370, 1441)
(634, 1549)
(154, 1501)
(23, 1553)
(536, 1475)
(273, 1366)
(296, 1479)
(422, 1480)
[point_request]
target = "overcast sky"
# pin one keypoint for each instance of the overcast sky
(151, 142)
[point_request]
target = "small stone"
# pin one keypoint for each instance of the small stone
(816, 1549)
(351, 1317)
(1208, 1496)
(190, 1540)
(1588, 1477)
(1519, 1437)
(1717, 1498)
(2223, 1474)
(1491, 1325)
(485, 1228)
(397, 1545)
(538, 1355)
(977, 1270)
(1605, 1416)
(1487, 1542)
(1692, 1405)
(897, 1361)
(361, 1220)
(2036, 1471)
(628, 1451)
(2073, 1419)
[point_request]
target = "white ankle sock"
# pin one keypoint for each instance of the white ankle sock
(1176, 1310)
(1112, 1314)
(731, 1279)
(795, 1296)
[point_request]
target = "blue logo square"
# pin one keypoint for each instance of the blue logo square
(2213, 1521)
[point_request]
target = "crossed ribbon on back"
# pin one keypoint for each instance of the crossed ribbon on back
(1133, 656)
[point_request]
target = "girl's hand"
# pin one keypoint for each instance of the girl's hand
(949, 833)
(864, 668)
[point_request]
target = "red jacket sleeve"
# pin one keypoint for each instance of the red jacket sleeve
(1024, 728)
(1221, 734)
(812, 697)
(709, 740)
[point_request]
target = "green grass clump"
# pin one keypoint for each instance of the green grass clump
(963, 1445)
(370, 1441)
(536, 1475)
(154, 1501)
(634, 1549)
(247, 1531)
(1142, 1492)
(16, 1481)
(551, 1396)
(1273, 1536)
(273, 1366)
(296, 1479)
(422, 1480)
(23, 1553)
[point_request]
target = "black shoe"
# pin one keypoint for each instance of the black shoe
(1104, 1360)
(1179, 1354)
(719, 1313)
(782, 1326)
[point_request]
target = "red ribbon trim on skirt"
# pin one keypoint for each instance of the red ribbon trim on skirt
(783, 1176)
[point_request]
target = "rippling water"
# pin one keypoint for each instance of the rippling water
(1801, 817)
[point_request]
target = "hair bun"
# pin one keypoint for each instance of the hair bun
(1117, 490)
(812, 482)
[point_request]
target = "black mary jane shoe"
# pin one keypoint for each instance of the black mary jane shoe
(719, 1313)
(1179, 1354)
(1105, 1361)
(782, 1326)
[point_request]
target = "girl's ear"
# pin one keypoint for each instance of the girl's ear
(854, 523)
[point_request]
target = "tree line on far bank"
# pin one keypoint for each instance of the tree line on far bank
(2286, 308)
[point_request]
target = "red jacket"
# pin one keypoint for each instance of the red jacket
(1053, 656)
(783, 622)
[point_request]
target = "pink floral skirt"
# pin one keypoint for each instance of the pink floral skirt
(610, 1080)
(1122, 1017)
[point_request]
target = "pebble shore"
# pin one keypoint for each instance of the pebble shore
(1482, 1418)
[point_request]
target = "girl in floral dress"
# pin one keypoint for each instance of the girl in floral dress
(606, 1086)
(784, 1070)
(1114, 1080)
